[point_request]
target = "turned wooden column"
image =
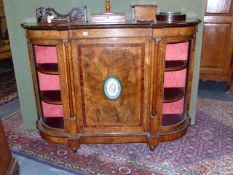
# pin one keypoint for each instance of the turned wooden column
(108, 6)
(8, 164)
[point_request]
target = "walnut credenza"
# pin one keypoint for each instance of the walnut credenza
(112, 83)
(217, 43)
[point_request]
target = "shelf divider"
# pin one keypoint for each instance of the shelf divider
(54, 122)
(48, 68)
(173, 94)
(51, 97)
(172, 119)
(175, 65)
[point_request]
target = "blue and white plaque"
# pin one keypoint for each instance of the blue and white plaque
(112, 88)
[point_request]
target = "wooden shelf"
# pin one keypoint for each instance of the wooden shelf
(48, 68)
(172, 119)
(51, 97)
(173, 94)
(175, 65)
(54, 122)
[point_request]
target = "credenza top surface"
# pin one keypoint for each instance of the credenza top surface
(128, 24)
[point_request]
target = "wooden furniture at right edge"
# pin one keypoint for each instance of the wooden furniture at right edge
(216, 61)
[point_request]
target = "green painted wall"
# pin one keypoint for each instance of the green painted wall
(18, 12)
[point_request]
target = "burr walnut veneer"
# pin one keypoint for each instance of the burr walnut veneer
(112, 83)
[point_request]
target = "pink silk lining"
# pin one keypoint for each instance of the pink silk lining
(177, 51)
(51, 110)
(175, 78)
(45, 54)
(49, 82)
(174, 107)
(48, 54)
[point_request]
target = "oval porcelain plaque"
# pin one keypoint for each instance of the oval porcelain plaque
(112, 88)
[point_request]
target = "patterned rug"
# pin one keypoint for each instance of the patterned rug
(207, 148)
(8, 89)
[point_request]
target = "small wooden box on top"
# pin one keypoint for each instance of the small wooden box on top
(144, 12)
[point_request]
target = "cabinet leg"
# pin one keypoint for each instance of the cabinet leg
(75, 150)
(152, 148)
(229, 84)
(229, 90)
(74, 145)
(152, 142)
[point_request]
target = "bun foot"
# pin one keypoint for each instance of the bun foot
(152, 148)
(75, 150)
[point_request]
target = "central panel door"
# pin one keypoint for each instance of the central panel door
(112, 84)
